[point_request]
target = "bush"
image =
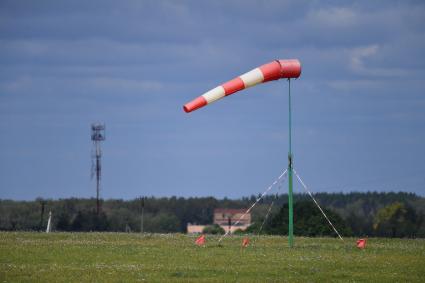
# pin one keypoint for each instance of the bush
(240, 232)
(213, 229)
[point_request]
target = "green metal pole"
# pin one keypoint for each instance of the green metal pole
(290, 200)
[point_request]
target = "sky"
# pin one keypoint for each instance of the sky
(358, 107)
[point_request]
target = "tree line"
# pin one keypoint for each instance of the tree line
(354, 214)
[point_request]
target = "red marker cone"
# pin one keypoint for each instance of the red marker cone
(361, 243)
(200, 241)
(245, 242)
(275, 70)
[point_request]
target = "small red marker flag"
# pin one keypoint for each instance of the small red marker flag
(361, 243)
(200, 241)
(245, 242)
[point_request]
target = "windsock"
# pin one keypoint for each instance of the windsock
(275, 70)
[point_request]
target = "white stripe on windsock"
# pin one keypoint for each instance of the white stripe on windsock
(252, 78)
(214, 94)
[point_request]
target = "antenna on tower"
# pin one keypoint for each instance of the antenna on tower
(97, 135)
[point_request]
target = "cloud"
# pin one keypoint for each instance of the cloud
(133, 64)
(359, 54)
(359, 64)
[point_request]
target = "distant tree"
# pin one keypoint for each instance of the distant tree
(359, 211)
(63, 222)
(396, 220)
(420, 233)
(123, 217)
(308, 221)
(254, 228)
(89, 221)
(100, 221)
(162, 223)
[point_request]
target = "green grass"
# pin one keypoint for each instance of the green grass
(118, 257)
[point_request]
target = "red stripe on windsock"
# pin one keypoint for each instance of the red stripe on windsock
(233, 86)
(195, 104)
(290, 68)
(271, 71)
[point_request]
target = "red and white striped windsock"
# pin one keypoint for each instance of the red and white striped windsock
(275, 70)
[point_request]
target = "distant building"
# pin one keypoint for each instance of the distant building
(195, 229)
(226, 218)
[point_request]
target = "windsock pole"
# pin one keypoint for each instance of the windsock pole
(290, 199)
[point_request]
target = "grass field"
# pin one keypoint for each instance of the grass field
(119, 257)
